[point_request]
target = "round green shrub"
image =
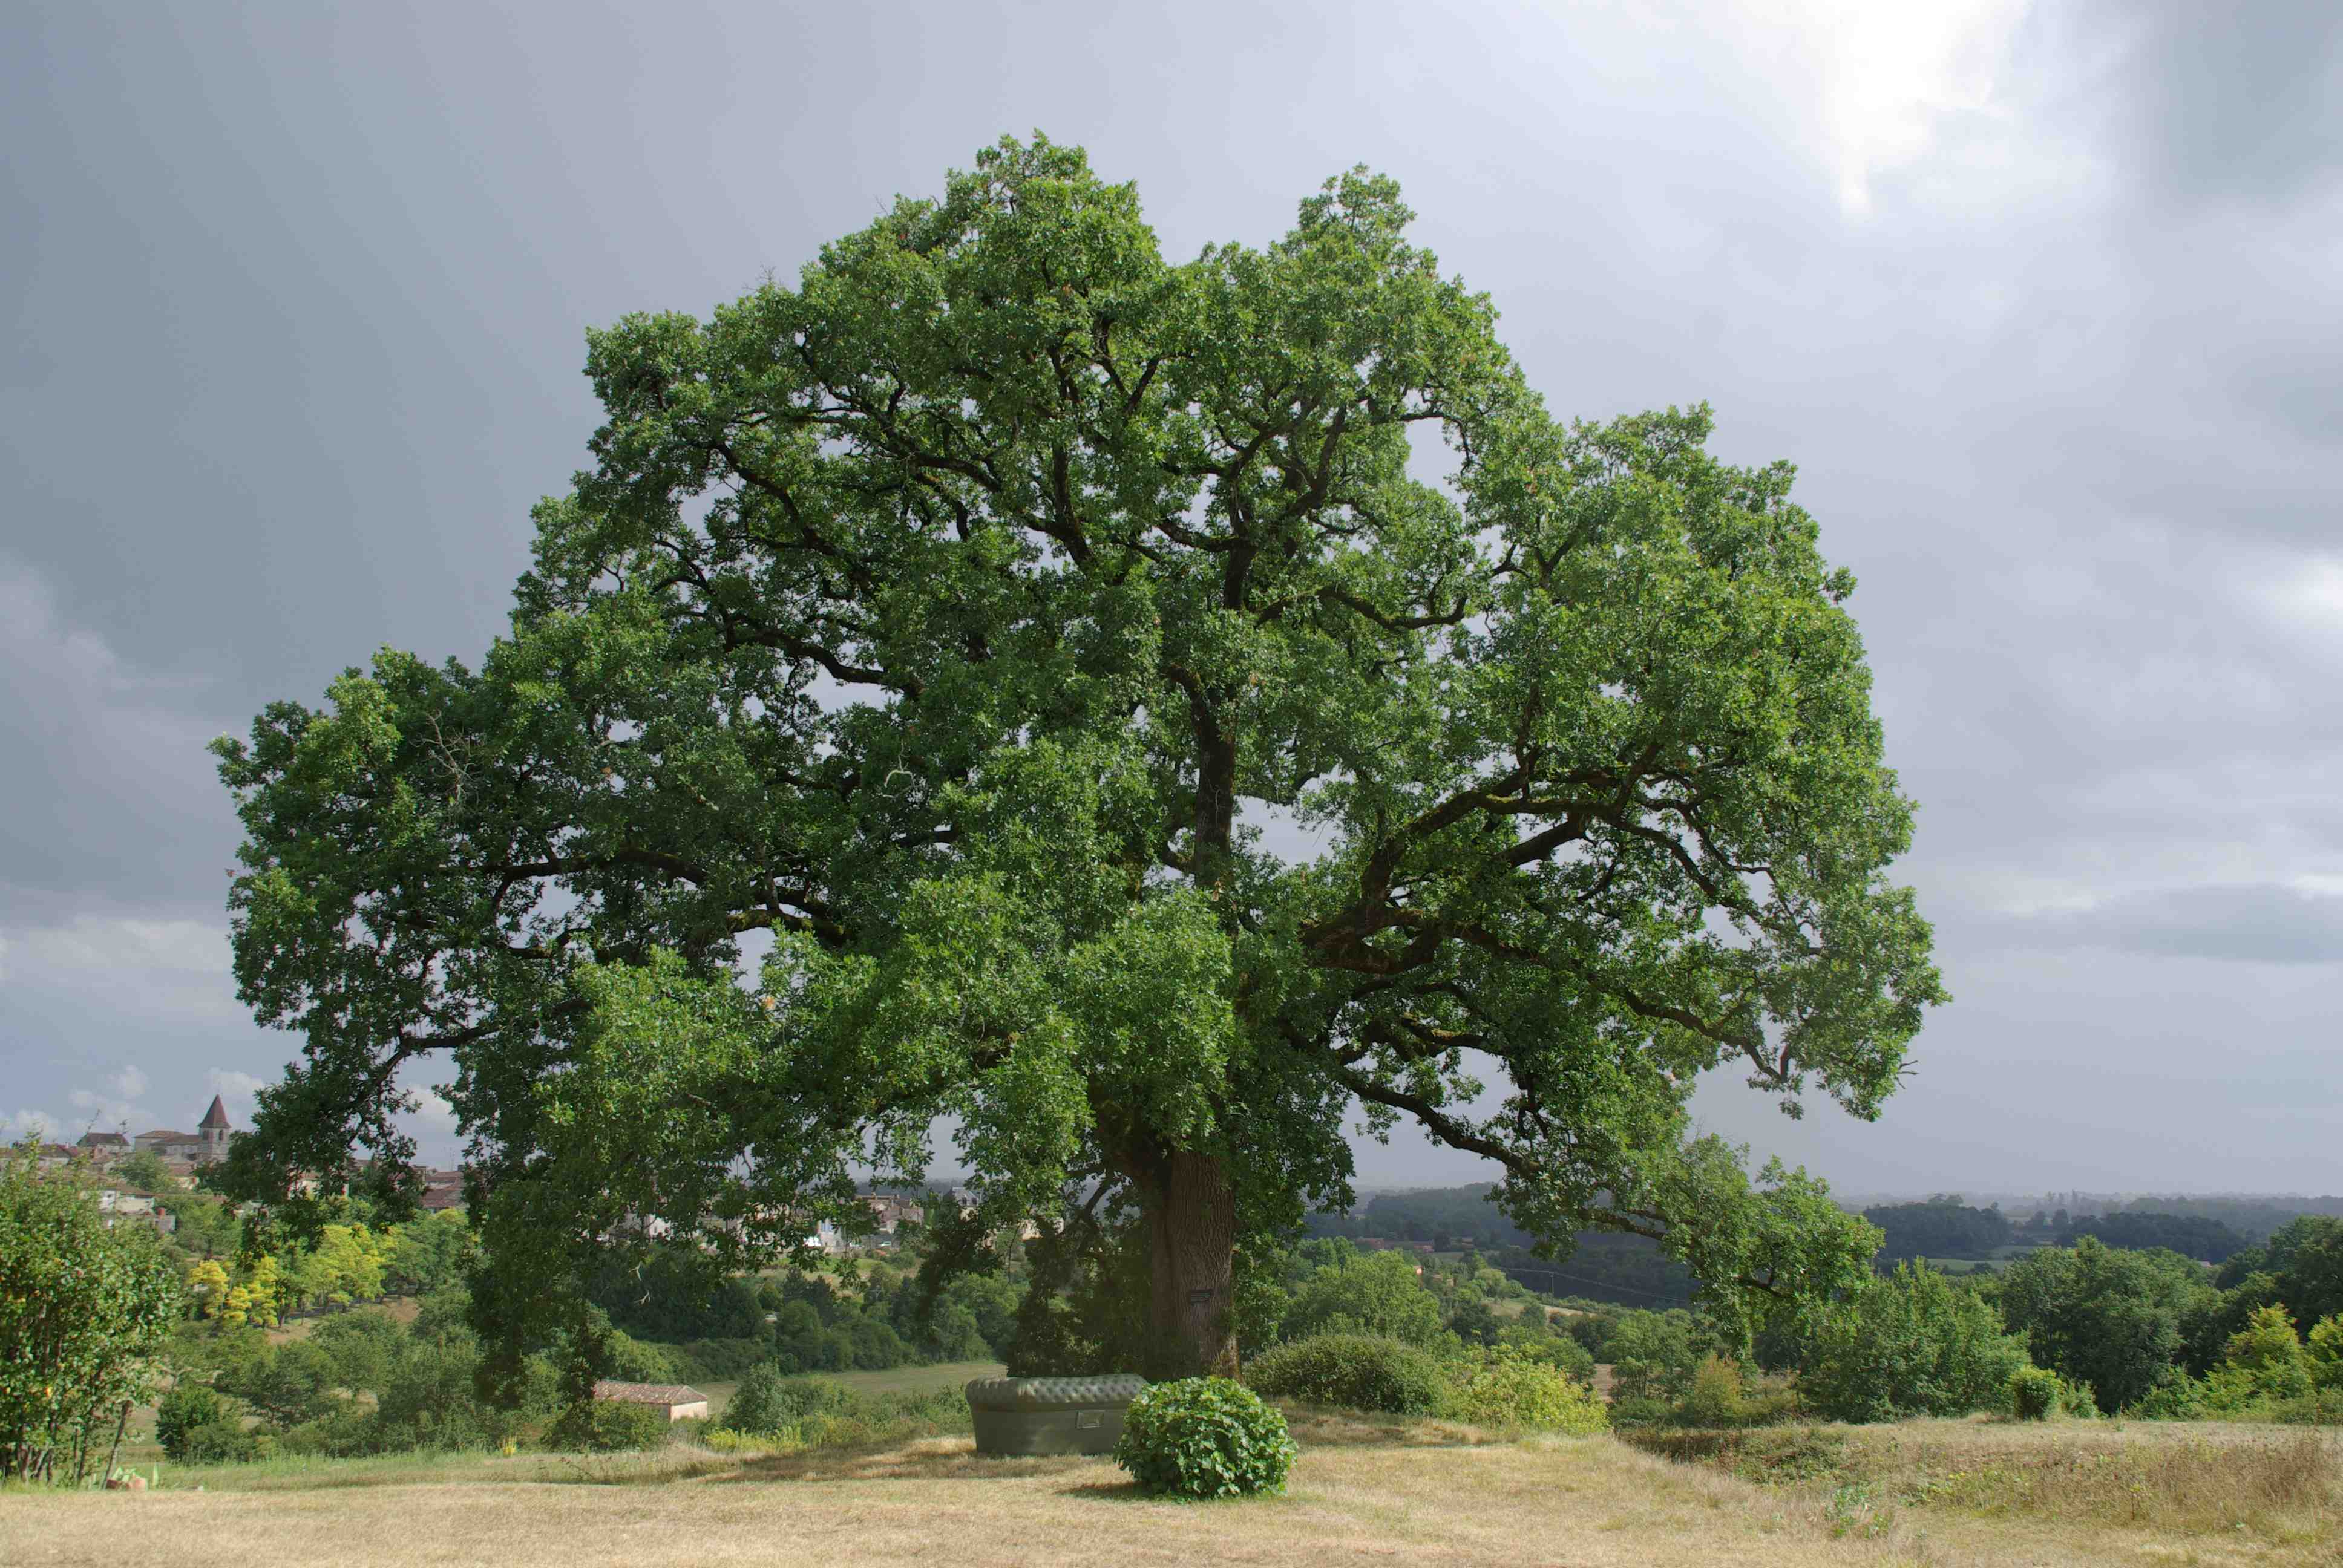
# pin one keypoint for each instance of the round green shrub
(187, 1408)
(222, 1441)
(1204, 1437)
(1352, 1371)
(607, 1426)
(2033, 1394)
(1511, 1391)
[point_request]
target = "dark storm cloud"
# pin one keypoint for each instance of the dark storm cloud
(2044, 308)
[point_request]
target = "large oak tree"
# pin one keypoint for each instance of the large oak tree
(1161, 714)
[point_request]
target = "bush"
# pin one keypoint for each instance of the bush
(1716, 1397)
(2033, 1394)
(84, 1310)
(2323, 1407)
(815, 1412)
(186, 1408)
(607, 1426)
(1204, 1437)
(1509, 1391)
(2174, 1397)
(765, 1402)
(1354, 1371)
(630, 1360)
(221, 1441)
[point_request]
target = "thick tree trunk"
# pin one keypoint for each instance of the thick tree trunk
(1191, 1227)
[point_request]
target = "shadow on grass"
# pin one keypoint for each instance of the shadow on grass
(1314, 1427)
(1127, 1490)
(931, 1459)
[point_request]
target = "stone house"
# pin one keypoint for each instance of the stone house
(677, 1402)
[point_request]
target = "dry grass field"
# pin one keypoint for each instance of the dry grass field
(1931, 1492)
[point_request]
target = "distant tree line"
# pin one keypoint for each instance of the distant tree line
(1944, 1226)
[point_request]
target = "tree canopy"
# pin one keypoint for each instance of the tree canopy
(1158, 711)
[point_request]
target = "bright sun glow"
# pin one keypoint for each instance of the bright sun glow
(1888, 75)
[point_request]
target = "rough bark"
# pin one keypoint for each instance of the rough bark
(1191, 1227)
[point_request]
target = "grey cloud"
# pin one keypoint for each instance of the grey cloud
(2258, 923)
(2238, 101)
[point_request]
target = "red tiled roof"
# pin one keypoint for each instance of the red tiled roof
(216, 1116)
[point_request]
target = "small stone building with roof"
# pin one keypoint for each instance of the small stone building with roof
(677, 1402)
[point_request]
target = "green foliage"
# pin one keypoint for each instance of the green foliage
(673, 1294)
(2323, 1350)
(1716, 1398)
(1204, 1437)
(1088, 554)
(223, 1441)
(607, 1426)
(361, 1347)
(183, 1410)
(1942, 1227)
(1911, 1344)
(2304, 1258)
(2177, 1396)
(1379, 1293)
(2197, 1236)
(1352, 1371)
(430, 1399)
(1086, 1308)
(1552, 1345)
(284, 1384)
(814, 1412)
(630, 1360)
(203, 1226)
(85, 1311)
(2095, 1315)
(718, 1361)
(2264, 1363)
(430, 1254)
(2037, 1393)
(143, 1169)
(1502, 1390)
(765, 1402)
(1652, 1354)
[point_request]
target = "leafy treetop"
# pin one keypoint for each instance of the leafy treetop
(959, 617)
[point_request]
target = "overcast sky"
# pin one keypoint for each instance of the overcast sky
(2046, 302)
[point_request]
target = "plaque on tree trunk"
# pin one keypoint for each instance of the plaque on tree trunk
(1197, 1298)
